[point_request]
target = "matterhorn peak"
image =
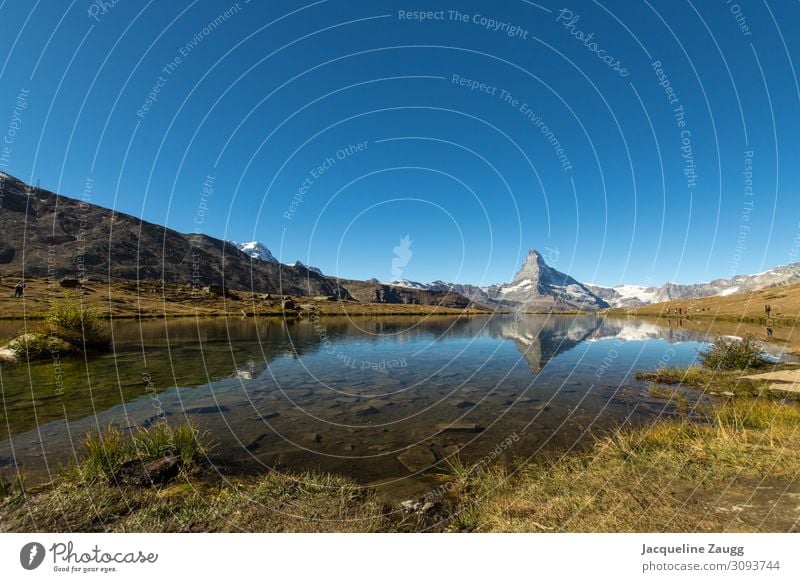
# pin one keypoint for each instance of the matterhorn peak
(532, 267)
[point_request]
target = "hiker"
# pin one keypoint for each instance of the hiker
(767, 309)
(769, 332)
(19, 289)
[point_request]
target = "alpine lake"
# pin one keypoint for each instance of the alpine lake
(387, 401)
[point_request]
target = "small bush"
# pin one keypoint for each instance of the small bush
(77, 324)
(734, 354)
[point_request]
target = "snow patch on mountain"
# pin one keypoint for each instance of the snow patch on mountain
(636, 295)
(255, 250)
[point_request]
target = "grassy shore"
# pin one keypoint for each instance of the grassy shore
(132, 299)
(734, 469)
(725, 464)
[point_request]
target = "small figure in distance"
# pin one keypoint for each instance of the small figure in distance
(767, 309)
(19, 289)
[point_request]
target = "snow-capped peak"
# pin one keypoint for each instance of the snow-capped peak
(255, 250)
(408, 284)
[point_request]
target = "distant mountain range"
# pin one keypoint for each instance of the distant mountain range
(637, 295)
(536, 287)
(46, 235)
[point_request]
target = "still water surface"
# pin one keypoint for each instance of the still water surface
(380, 400)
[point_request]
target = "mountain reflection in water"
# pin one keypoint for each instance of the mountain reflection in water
(376, 399)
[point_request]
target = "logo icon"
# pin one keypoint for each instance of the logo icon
(31, 555)
(402, 254)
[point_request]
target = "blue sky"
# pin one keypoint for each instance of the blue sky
(266, 105)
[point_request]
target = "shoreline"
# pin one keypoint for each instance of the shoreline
(701, 453)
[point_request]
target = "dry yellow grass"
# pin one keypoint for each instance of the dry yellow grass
(784, 300)
(150, 299)
(736, 472)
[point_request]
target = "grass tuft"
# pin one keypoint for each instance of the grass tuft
(107, 451)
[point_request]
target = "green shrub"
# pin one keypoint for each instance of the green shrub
(734, 354)
(77, 324)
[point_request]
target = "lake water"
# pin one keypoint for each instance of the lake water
(385, 400)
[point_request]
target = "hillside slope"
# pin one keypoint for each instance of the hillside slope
(749, 306)
(43, 234)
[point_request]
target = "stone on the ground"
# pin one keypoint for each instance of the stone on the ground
(139, 473)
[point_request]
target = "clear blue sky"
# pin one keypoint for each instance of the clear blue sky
(262, 96)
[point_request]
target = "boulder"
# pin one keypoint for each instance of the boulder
(36, 345)
(288, 304)
(70, 283)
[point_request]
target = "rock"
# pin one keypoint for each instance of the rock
(215, 290)
(38, 346)
(415, 506)
(314, 437)
(139, 473)
(288, 304)
(728, 394)
(464, 404)
(70, 283)
(365, 410)
(418, 458)
(459, 427)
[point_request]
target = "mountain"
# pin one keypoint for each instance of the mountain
(260, 252)
(255, 250)
(536, 287)
(539, 287)
(636, 295)
(43, 234)
(300, 265)
(373, 291)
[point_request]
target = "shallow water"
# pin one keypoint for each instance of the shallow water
(381, 400)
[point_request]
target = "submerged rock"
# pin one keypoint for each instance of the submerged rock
(417, 459)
